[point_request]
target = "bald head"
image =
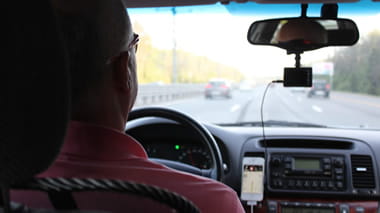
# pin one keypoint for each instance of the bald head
(302, 29)
(108, 19)
(93, 31)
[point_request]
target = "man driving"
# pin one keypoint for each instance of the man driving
(101, 48)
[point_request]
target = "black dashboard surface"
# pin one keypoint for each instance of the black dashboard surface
(167, 139)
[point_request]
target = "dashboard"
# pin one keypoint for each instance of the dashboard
(306, 169)
(186, 152)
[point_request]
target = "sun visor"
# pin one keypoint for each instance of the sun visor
(303, 1)
(173, 3)
(165, 3)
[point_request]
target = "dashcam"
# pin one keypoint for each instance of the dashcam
(298, 77)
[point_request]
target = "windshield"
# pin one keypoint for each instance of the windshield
(198, 60)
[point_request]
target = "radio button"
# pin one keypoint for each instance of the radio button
(323, 184)
(299, 184)
(324, 205)
(306, 184)
(344, 208)
(327, 167)
(338, 162)
(277, 183)
(297, 204)
(315, 184)
(291, 183)
(331, 185)
(307, 205)
(276, 161)
(339, 185)
(326, 160)
(272, 206)
(318, 205)
(331, 205)
(359, 209)
(284, 203)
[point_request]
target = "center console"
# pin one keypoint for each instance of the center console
(325, 175)
(307, 172)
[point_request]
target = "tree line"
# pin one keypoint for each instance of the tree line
(155, 64)
(357, 68)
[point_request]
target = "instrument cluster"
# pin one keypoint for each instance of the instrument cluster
(192, 154)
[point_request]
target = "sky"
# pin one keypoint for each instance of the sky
(222, 37)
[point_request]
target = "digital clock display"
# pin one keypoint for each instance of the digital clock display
(307, 164)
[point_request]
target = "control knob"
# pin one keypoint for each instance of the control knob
(276, 161)
(338, 162)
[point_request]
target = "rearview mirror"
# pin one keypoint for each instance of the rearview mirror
(297, 35)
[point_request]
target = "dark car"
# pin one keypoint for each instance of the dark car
(218, 88)
(321, 88)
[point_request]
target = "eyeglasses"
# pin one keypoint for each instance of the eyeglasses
(135, 42)
(133, 45)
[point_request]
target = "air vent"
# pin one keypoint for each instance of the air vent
(362, 171)
(306, 143)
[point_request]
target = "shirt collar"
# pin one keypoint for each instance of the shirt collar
(98, 142)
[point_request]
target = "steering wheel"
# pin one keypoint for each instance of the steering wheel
(216, 170)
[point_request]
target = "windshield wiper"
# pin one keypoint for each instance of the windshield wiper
(274, 123)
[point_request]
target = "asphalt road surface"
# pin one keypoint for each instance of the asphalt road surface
(283, 104)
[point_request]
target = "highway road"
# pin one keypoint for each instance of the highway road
(340, 110)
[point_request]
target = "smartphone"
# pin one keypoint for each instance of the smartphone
(252, 183)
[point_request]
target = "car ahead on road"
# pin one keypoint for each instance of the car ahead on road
(298, 154)
(319, 88)
(218, 88)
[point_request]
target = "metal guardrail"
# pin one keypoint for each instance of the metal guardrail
(157, 93)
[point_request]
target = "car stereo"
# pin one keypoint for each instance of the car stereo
(307, 172)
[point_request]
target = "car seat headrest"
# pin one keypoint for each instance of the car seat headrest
(34, 94)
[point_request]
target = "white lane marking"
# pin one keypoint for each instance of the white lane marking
(317, 108)
(235, 107)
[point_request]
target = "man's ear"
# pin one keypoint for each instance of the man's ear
(121, 72)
